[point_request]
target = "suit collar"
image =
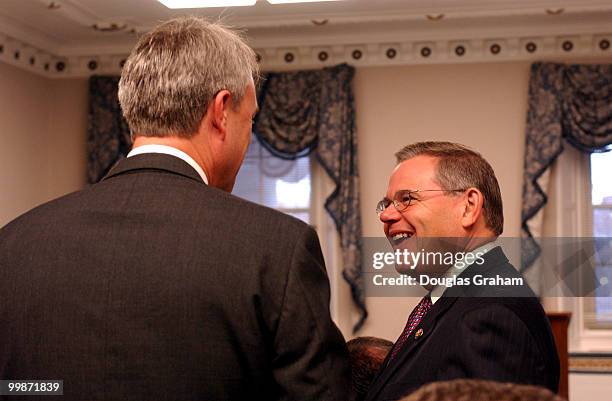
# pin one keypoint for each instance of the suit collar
(492, 260)
(169, 150)
(426, 327)
(460, 270)
(154, 161)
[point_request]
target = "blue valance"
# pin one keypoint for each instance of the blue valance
(571, 103)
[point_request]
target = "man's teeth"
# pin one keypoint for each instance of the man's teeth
(397, 237)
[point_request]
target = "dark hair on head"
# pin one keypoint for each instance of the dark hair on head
(461, 167)
(366, 355)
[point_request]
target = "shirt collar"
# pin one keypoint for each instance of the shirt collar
(454, 271)
(169, 150)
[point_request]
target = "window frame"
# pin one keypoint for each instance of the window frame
(260, 201)
(321, 186)
(590, 316)
(571, 214)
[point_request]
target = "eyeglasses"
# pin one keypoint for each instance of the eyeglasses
(402, 199)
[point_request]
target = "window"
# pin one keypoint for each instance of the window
(299, 188)
(601, 200)
(284, 185)
(579, 191)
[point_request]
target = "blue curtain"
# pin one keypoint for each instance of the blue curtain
(108, 135)
(300, 112)
(567, 103)
(305, 111)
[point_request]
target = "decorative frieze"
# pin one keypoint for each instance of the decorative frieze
(374, 53)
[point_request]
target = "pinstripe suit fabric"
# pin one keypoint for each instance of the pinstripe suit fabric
(491, 333)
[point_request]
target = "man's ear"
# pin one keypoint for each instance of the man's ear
(219, 110)
(472, 207)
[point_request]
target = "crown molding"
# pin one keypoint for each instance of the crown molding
(497, 49)
(29, 36)
(27, 57)
(459, 11)
(592, 47)
(371, 43)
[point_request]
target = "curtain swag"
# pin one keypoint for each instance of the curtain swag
(302, 111)
(566, 102)
(108, 134)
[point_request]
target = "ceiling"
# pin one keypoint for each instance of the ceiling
(64, 38)
(66, 28)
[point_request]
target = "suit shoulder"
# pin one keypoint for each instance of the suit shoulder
(526, 313)
(514, 305)
(263, 215)
(519, 306)
(498, 280)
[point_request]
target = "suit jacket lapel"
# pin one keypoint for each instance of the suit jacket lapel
(413, 342)
(493, 259)
(154, 161)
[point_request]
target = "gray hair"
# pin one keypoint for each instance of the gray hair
(175, 71)
(461, 167)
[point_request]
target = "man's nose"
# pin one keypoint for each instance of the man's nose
(390, 214)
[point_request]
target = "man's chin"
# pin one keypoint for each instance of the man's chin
(406, 270)
(409, 244)
(429, 271)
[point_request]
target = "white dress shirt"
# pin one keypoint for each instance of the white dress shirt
(169, 150)
(455, 271)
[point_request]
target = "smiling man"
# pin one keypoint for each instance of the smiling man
(444, 199)
(157, 283)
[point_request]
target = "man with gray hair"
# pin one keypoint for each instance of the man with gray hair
(443, 198)
(156, 283)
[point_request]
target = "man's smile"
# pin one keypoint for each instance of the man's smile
(397, 237)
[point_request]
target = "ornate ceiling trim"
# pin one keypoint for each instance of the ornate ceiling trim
(366, 44)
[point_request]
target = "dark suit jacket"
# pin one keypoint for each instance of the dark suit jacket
(152, 285)
(479, 332)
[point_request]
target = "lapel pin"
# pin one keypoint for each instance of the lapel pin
(418, 333)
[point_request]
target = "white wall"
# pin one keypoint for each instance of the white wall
(67, 147)
(23, 135)
(590, 387)
(42, 139)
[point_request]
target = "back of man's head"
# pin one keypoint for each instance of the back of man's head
(174, 72)
(367, 355)
(480, 390)
(461, 167)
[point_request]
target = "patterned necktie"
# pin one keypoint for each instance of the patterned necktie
(413, 321)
